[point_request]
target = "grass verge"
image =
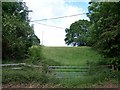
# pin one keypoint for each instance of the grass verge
(25, 75)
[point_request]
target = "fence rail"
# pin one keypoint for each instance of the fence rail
(19, 64)
(60, 71)
(68, 67)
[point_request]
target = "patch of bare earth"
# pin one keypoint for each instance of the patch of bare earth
(30, 86)
(35, 85)
(108, 85)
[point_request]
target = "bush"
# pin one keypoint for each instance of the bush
(35, 55)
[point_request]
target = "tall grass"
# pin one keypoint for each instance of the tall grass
(25, 75)
(96, 77)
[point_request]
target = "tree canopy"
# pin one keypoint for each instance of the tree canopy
(102, 32)
(17, 34)
(105, 29)
(77, 33)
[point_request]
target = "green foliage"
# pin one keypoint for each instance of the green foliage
(25, 75)
(78, 56)
(16, 9)
(35, 55)
(28, 74)
(38, 75)
(105, 29)
(98, 76)
(77, 33)
(85, 81)
(17, 34)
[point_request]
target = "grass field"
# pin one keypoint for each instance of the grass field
(75, 56)
(64, 56)
(70, 55)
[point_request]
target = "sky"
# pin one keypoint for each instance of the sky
(45, 9)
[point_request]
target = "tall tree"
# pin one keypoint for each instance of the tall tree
(105, 29)
(77, 33)
(17, 34)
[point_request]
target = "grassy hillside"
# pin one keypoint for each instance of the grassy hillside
(60, 56)
(70, 55)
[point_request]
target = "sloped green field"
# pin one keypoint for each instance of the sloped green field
(72, 56)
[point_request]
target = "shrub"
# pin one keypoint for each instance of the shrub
(35, 55)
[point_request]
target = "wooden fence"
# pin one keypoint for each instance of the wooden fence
(60, 71)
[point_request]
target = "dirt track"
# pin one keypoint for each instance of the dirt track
(106, 85)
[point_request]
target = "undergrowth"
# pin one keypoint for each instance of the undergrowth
(25, 75)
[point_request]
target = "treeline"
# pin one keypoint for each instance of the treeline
(17, 34)
(101, 32)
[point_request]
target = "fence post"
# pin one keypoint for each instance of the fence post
(113, 68)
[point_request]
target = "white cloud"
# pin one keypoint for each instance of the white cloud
(42, 9)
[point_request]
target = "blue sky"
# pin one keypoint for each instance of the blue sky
(44, 9)
(83, 5)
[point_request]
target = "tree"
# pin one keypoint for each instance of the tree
(17, 34)
(105, 29)
(77, 33)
